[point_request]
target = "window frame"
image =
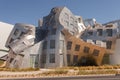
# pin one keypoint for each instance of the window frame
(96, 52)
(86, 49)
(77, 47)
(69, 45)
(52, 44)
(52, 58)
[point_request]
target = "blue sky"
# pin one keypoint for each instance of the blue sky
(29, 11)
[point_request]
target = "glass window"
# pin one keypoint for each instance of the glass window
(52, 44)
(34, 60)
(11, 59)
(69, 45)
(53, 31)
(66, 23)
(99, 32)
(44, 45)
(109, 32)
(52, 58)
(86, 49)
(96, 52)
(108, 44)
(75, 59)
(90, 33)
(11, 40)
(77, 47)
(66, 16)
(80, 20)
(72, 19)
(16, 32)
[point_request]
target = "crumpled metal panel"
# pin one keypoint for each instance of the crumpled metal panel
(25, 38)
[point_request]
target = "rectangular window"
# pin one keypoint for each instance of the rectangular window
(68, 58)
(90, 33)
(52, 58)
(53, 31)
(99, 32)
(52, 44)
(109, 32)
(69, 45)
(72, 19)
(77, 47)
(86, 49)
(108, 44)
(75, 59)
(32, 60)
(44, 45)
(96, 52)
(66, 16)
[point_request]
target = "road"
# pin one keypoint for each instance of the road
(108, 77)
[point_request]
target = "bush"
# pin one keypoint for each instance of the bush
(88, 61)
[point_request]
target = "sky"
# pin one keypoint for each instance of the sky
(30, 11)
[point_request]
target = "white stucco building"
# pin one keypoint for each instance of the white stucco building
(5, 30)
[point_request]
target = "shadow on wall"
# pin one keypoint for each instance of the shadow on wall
(40, 34)
(86, 61)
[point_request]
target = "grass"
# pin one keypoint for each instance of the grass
(19, 70)
(65, 71)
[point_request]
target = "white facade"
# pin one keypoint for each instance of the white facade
(115, 59)
(5, 30)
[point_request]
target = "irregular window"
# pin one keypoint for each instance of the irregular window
(77, 47)
(99, 32)
(72, 19)
(108, 44)
(90, 33)
(69, 45)
(86, 49)
(66, 16)
(16, 32)
(109, 32)
(11, 59)
(96, 52)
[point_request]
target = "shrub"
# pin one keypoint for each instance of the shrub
(88, 61)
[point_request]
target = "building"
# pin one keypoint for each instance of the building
(4, 33)
(61, 39)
